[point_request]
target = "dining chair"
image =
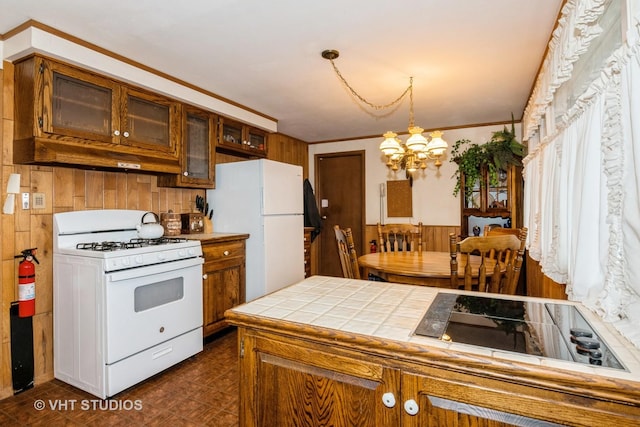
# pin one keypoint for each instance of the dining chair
(500, 231)
(507, 249)
(400, 237)
(347, 253)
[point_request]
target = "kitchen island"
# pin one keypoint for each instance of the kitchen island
(342, 352)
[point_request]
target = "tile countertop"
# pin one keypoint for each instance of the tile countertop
(392, 311)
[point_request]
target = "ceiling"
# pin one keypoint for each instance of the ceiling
(473, 62)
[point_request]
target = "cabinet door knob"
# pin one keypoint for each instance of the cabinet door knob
(225, 253)
(185, 173)
(389, 400)
(204, 276)
(126, 134)
(116, 132)
(411, 406)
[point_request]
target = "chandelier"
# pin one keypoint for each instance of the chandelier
(417, 150)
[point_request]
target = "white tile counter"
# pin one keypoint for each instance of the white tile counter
(392, 311)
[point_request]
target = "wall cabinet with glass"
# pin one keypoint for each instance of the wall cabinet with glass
(198, 151)
(486, 202)
(65, 115)
(241, 139)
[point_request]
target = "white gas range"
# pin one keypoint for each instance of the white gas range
(124, 308)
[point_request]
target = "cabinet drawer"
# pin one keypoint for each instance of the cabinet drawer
(221, 251)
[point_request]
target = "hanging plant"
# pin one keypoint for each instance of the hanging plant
(501, 151)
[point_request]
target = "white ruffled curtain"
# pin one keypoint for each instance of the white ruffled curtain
(582, 192)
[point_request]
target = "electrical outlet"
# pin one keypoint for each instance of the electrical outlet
(25, 200)
(38, 201)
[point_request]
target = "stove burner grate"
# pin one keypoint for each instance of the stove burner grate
(131, 244)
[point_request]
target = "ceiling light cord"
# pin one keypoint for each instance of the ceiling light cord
(408, 90)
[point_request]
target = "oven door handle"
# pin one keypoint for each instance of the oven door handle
(149, 270)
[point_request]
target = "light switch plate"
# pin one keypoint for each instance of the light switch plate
(38, 201)
(25, 200)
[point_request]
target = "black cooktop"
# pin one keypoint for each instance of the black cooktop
(553, 330)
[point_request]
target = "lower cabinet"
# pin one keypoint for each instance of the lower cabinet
(224, 279)
(291, 381)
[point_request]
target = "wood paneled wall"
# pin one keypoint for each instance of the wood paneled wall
(280, 148)
(286, 149)
(539, 285)
(434, 237)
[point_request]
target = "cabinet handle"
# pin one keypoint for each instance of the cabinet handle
(126, 134)
(411, 406)
(185, 173)
(116, 132)
(204, 276)
(389, 400)
(225, 253)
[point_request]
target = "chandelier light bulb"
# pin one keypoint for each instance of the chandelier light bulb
(437, 146)
(390, 145)
(416, 142)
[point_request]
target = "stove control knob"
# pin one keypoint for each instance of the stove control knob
(126, 261)
(162, 256)
(139, 259)
(181, 253)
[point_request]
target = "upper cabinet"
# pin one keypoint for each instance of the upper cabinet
(501, 199)
(65, 115)
(198, 151)
(241, 139)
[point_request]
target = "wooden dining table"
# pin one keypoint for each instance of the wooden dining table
(427, 268)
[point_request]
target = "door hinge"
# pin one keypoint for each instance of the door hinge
(40, 121)
(41, 68)
(242, 348)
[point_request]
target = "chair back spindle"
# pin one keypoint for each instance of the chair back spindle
(347, 253)
(506, 249)
(400, 237)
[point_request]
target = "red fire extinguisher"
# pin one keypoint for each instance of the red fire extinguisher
(374, 247)
(27, 283)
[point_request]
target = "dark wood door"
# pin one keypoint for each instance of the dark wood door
(340, 197)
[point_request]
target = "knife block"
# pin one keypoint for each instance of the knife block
(208, 226)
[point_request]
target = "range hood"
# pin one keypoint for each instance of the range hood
(111, 157)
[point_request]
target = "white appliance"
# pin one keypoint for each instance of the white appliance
(124, 308)
(265, 199)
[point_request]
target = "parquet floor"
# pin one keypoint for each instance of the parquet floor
(200, 391)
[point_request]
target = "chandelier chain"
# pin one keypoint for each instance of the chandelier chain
(408, 90)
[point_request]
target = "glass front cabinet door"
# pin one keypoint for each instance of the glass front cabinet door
(79, 104)
(500, 200)
(240, 139)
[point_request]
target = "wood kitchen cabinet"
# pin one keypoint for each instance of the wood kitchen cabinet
(307, 251)
(241, 139)
(284, 383)
(66, 115)
(224, 278)
(294, 375)
(486, 200)
(198, 151)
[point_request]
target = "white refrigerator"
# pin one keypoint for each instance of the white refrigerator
(265, 199)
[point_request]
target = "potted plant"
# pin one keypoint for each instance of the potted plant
(497, 154)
